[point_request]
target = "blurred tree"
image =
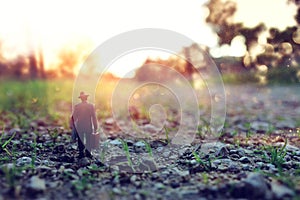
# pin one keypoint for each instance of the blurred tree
(282, 48)
(33, 66)
(41, 63)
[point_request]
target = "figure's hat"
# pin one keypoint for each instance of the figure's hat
(82, 94)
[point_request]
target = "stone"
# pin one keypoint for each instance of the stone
(190, 194)
(259, 126)
(84, 162)
(133, 178)
(109, 121)
(247, 167)
(234, 168)
(139, 147)
(166, 154)
(36, 185)
(223, 168)
(223, 152)
(244, 160)
(146, 166)
(241, 152)
(23, 161)
(159, 186)
(234, 157)
(281, 191)
(66, 158)
(116, 142)
(149, 128)
(174, 184)
(270, 166)
(286, 124)
(256, 185)
(59, 149)
(14, 130)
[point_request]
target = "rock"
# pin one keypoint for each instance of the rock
(67, 158)
(54, 184)
(116, 191)
(166, 154)
(23, 161)
(223, 168)
(259, 126)
(234, 168)
(116, 142)
(149, 128)
(47, 163)
(109, 121)
(260, 165)
(270, 167)
(247, 167)
(139, 147)
(256, 185)
(216, 162)
(190, 194)
(185, 175)
(233, 151)
(241, 152)
(84, 162)
(193, 162)
(206, 148)
(133, 178)
(174, 184)
(59, 149)
(223, 152)
(146, 166)
(159, 186)
(223, 161)
(286, 124)
(234, 157)
(43, 170)
(35, 185)
(14, 130)
(158, 144)
(281, 191)
(244, 160)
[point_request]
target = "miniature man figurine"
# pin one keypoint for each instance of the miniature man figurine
(85, 123)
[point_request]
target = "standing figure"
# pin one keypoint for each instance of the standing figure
(84, 122)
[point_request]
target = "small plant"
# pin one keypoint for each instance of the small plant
(271, 129)
(290, 180)
(205, 128)
(103, 150)
(11, 175)
(167, 135)
(277, 155)
(53, 134)
(234, 133)
(34, 145)
(200, 131)
(4, 144)
(148, 148)
(82, 184)
(237, 141)
(206, 164)
(126, 150)
(205, 178)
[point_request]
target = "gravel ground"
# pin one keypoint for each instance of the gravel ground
(257, 156)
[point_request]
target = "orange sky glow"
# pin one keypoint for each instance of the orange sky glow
(83, 25)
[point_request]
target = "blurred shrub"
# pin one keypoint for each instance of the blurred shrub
(279, 75)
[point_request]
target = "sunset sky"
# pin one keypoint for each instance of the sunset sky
(54, 25)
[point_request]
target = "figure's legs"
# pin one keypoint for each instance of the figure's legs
(88, 154)
(88, 147)
(80, 147)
